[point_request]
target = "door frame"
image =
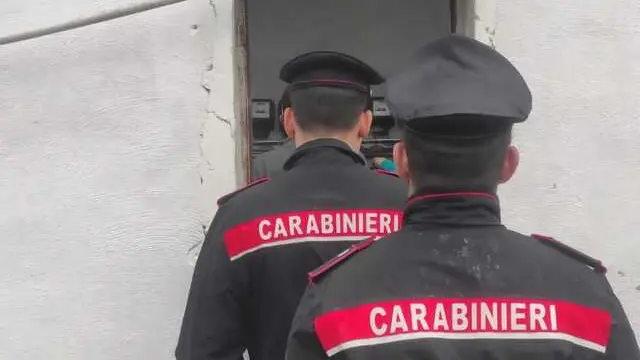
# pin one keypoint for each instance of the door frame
(462, 22)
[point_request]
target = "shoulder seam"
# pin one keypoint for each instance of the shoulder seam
(223, 199)
(575, 254)
(340, 258)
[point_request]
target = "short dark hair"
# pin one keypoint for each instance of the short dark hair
(285, 102)
(327, 108)
(458, 151)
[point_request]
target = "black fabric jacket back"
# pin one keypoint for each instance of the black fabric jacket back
(264, 240)
(454, 284)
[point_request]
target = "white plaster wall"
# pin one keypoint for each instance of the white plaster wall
(580, 163)
(112, 154)
(22, 16)
(116, 139)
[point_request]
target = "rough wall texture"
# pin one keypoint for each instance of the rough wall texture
(580, 160)
(23, 16)
(112, 154)
(115, 140)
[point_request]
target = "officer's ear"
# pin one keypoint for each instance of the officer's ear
(401, 161)
(289, 122)
(510, 164)
(364, 123)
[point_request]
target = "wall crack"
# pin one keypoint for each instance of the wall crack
(206, 167)
(218, 116)
(221, 118)
(207, 81)
(484, 18)
(213, 7)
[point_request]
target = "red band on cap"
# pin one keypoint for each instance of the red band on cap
(332, 82)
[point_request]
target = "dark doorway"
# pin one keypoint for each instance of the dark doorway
(383, 33)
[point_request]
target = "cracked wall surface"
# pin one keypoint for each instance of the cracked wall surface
(115, 142)
(219, 128)
(580, 149)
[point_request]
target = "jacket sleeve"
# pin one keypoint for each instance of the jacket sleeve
(212, 327)
(303, 343)
(622, 341)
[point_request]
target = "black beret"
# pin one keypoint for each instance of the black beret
(329, 68)
(458, 75)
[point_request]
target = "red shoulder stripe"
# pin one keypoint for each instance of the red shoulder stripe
(253, 183)
(340, 258)
(571, 252)
(475, 320)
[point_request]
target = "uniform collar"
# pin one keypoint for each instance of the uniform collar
(448, 207)
(323, 152)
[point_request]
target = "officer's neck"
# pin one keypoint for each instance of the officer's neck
(440, 187)
(451, 206)
(350, 138)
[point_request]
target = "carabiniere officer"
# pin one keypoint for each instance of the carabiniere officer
(454, 283)
(266, 237)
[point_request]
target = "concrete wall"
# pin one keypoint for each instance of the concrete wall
(108, 172)
(116, 139)
(580, 160)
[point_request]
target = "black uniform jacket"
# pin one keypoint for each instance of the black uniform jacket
(454, 284)
(271, 162)
(252, 269)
